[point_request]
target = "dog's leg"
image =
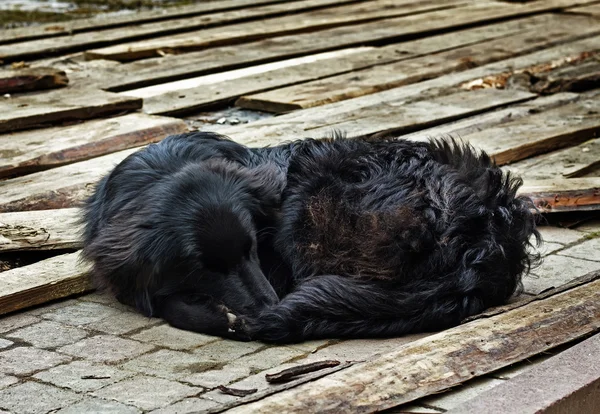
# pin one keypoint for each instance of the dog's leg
(339, 307)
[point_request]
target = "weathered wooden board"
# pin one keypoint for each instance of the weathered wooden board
(40, 230)
(41, 282)
(36, 150)
(573, 78)
(173, 67)
(31, 79)
(592, 9)
(82, 41)
(559, 195)
(446, 359)
(246, 32)
(576, 161)
(319, 119)
(59, 187)
(66, 104)
(383, 77)
(65, 186)
(103, 22)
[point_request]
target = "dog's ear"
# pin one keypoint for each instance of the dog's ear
(266, 184)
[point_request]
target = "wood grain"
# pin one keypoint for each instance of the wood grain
(31, 79)
(560, 195)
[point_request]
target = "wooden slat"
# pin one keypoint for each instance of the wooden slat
(40, 230)
(36, 150)
(446, 359)
(67, 104)
(103, 22)
(383, 77)
(570, 162)
(41, 282)
(65, 186)
(173, 67)
(31, 79)
(246, 32)
(592, 9)
(82, 41)
(60, 187)
(559, 195)
(582, 76)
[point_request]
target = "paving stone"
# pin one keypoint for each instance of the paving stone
(7, 380)
(218, 397)
(214, 378)
(123, 323)
(413, 409)
(82, 376)
(588, 250)
(591, 226)
(549, 248)
(555, 271)
(189, 405)
(167, 336)
(49, 334)
(258, 380)
(24, 360)
(559, 235)
(106, 348)
(267, 358)
(312, 346)
(107, 299)
(226, 350)
(9, 323)
(51, 306)
(34, 398)
(81, 313)
(521, 367)
(98, 406)
(168, 364)
(459, 395)
(147, 393)
(5, 343)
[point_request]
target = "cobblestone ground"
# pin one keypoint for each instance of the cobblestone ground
(92, 355)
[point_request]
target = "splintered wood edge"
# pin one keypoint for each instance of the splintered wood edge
(44, 281)
(559, 195)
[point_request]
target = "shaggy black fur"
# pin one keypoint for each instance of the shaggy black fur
(370, 239)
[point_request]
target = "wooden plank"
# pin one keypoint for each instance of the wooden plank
(67, 104)
(576, 78)
(173, 67)
(41, 282)
(320, 119)
(559, 195)
(59, 187)
(383, 77)
(40, 230)
(592, 9)
(81, 41)
(104, 22)
(577, 161)
(30, 151)
(65, 186)
(31, 79)
(441, 361)
(277, 26)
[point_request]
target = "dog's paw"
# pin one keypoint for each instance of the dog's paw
(236, 325)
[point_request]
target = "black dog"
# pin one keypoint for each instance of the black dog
(385, 238)
(172, 230)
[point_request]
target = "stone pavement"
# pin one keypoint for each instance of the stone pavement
(93, 355)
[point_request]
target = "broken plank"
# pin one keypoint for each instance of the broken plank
(577, 161)
(31, 79)
(82, 41)
(40, 230)
(446, 359)
(30, 151)
(571, 78)
(60, 187)
(41, 282)
(174, 67)
(35, 110)
(559, 195)
(277, 26)
(103, 21)
(383, 77)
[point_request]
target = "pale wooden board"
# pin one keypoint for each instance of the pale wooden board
(30, 151)
(103, 22)
(325, 118)
(277, 26)
(82, 41)
(41, 282)
(564, 194)
(173, 67)
(34, 110)
(65, 186)
(383, 77)
(40, 230)
(446, 359)
(576, 161)
(592, 9)
(59, 187)
(31, 79)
